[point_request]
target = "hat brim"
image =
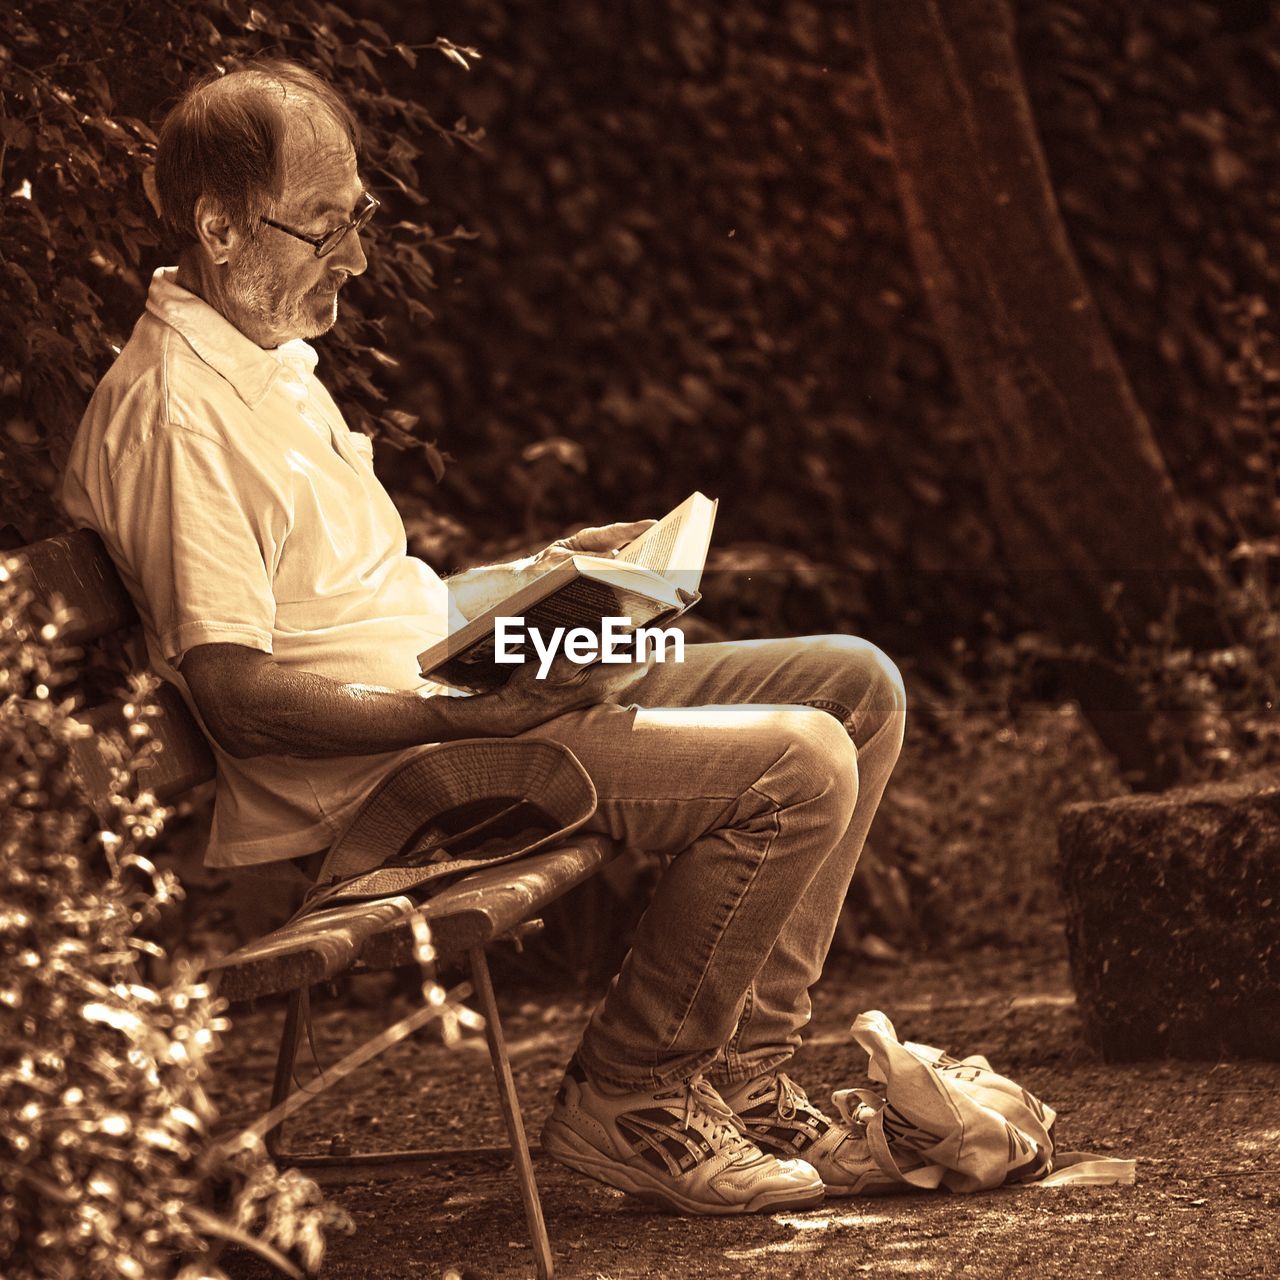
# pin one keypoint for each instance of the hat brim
(452, 775)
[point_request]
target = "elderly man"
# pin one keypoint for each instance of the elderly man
(269, 567)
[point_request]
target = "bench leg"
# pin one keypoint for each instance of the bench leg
(511, 1113)
(282, 1086)
(519, 1151)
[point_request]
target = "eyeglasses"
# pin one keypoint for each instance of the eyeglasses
(327, 243)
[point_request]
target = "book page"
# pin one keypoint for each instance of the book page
(676, 546)
(653, 548)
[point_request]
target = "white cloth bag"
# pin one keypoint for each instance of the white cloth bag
(937, 1121)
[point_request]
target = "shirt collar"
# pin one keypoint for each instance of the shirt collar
(297, 355)
(249, 368)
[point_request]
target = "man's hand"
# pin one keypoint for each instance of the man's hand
(525, 701)
(479, 589)
(598, 540)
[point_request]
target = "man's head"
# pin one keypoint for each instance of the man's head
(267, 141)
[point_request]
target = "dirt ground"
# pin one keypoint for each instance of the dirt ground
(1205, 1135)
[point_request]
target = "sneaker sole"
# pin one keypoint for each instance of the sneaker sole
(569, 1149)
(870, 1191)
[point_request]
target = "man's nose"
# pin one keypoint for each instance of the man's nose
(349, 255)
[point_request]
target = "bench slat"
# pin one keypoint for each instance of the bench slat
(486, 904)
(468, 913)
(76, 566)
(185, 762)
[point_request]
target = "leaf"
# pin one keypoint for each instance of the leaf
(212, 1225)
(454, 54)
(412, 193)
(94, 74)
(435, 460)
(140, 127)
(14, 132)
(376, 29)
(407, 54)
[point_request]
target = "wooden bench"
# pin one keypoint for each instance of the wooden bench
(464, 918)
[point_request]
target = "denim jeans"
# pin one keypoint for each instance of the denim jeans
(757, 766)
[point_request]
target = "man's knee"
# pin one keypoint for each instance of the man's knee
(822, 761)
(891, 689)
(883, 695)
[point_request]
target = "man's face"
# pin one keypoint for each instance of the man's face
(276, 284)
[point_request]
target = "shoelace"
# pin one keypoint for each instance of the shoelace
(708, 1111)
(791, 1097)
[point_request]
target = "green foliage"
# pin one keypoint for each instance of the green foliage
(85, 85)
(107, 1167)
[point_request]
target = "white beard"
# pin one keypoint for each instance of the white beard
(258, 290)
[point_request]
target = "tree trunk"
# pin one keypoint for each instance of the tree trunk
(1091, 527)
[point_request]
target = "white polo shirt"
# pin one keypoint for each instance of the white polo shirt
(239, 508)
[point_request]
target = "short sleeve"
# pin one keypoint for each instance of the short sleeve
(194, 522)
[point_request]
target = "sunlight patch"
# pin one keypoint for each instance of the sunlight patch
(909, 1266)
(778, 1246)
(825, 1221)
(1043, 1000)
(1263, 1141)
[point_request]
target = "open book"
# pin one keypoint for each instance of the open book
(651, 581)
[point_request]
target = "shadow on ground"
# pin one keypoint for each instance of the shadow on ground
(1205, 1135)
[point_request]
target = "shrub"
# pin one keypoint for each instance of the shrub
(76, 139)
(107, 1166)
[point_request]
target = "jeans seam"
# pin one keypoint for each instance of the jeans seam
(736, 1073)
(731, 1049)
(720, 932)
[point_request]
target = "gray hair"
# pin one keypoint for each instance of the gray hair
(224, 137)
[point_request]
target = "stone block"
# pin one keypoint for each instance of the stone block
(1173, 919)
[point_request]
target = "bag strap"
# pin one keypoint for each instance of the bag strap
(929, 1176)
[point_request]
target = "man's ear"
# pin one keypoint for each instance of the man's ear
(216, 232)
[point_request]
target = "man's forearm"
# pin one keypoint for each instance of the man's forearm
(278, 711)
(252, 706)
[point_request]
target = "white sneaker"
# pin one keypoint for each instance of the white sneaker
(679, 1146)
(776, 1114)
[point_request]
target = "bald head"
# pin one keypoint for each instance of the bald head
(236, 139)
